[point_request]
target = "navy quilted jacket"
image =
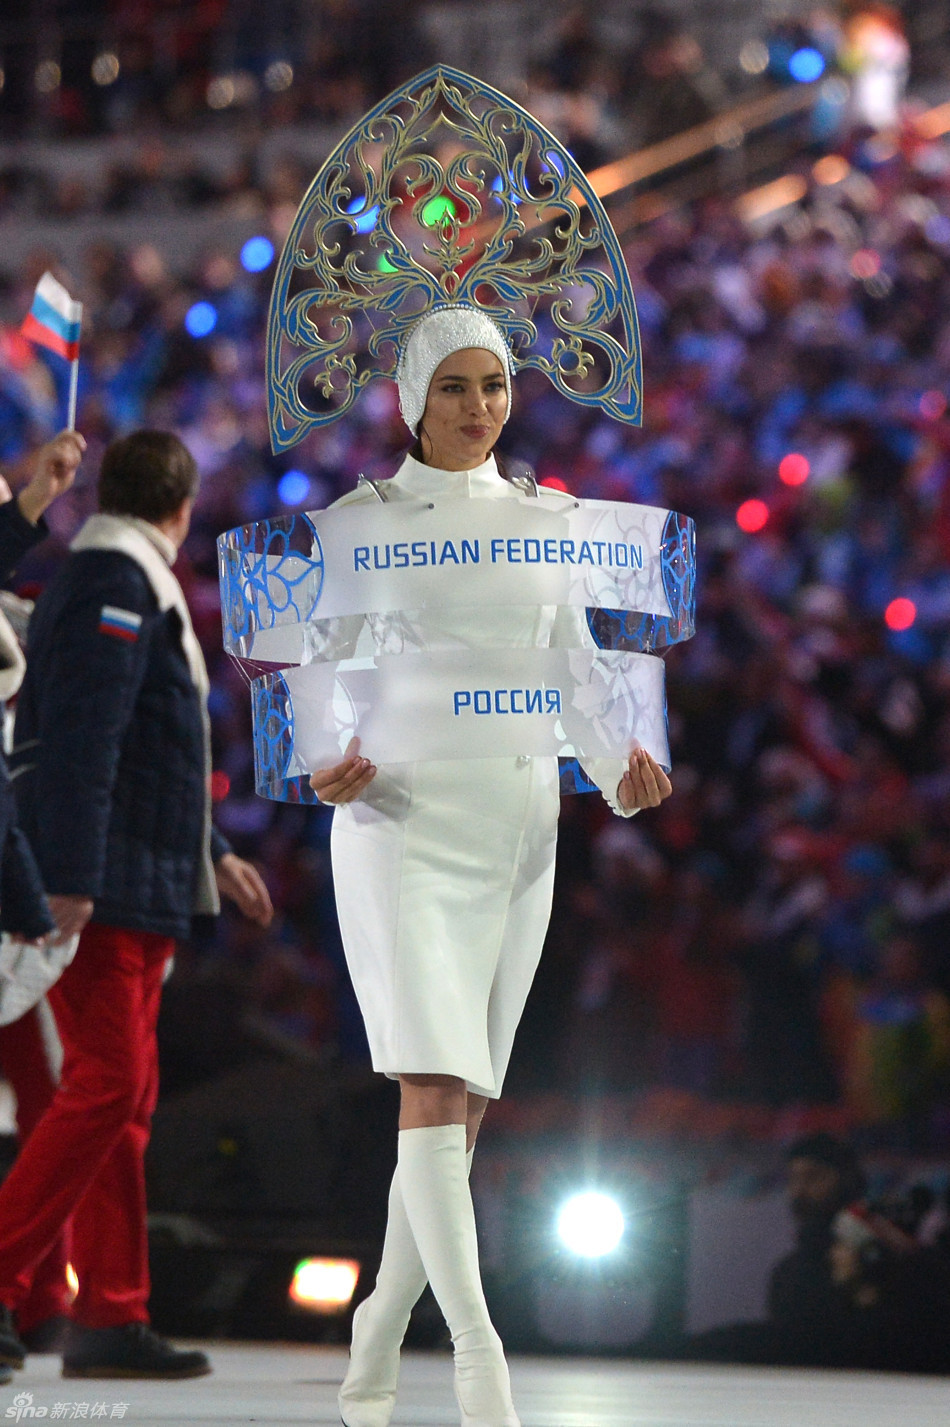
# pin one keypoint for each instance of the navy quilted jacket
(108, 760)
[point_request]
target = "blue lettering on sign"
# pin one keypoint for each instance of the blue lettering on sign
(511, 550)
(507, 701)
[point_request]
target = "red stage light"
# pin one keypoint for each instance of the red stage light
(932, 404)
(794, 469)
(752, 516)
(554, 483)
(220, 786)
(866, 263)
(900, 614)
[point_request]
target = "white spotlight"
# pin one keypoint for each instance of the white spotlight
(590, 1224)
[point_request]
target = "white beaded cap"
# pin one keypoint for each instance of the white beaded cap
(435, 337)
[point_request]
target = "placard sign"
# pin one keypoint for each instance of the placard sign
(454, 703)
(300, 592)
(279, 575)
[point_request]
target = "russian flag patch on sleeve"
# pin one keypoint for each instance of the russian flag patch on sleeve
(120, 623)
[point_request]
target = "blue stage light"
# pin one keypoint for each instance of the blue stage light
(257, 254)
(806, 65)
(500, 186)
(293, 488)
(366, 222)
(590, 1224)
(201, 319)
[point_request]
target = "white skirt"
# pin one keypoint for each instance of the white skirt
(444, 875)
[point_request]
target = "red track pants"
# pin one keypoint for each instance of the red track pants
(85, 1158)
(30, 1063)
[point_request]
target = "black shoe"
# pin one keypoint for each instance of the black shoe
(131, 1350)
(50, 1336)
(12, 1348)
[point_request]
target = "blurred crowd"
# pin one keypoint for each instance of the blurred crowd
(604, 83)
(778, 931)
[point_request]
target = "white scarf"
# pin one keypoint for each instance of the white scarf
(12, 662)
(154, 553)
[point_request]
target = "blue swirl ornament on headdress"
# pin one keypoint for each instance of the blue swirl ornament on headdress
(448, 194)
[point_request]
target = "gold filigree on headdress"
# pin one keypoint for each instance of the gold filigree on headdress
(448, 192)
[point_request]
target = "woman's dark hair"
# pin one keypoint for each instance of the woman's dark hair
(148, 474)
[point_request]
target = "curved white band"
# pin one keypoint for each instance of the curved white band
(459, 704)
(281, 579)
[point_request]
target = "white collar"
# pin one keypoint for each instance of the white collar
(165, 547)
(424, 480)
(144, 543)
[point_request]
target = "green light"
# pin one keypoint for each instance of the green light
(437, 210)
(384, 265)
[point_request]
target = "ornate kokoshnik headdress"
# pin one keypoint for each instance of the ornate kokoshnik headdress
(448, 194)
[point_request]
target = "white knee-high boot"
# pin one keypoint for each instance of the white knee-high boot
(438, 1203)
(368, 1393)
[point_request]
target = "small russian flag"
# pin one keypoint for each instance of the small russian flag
(54, 319)
(120, 623)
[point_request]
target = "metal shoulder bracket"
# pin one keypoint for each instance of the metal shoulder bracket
(375, 486)
(526, 483)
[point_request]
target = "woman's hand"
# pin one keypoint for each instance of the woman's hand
(345, 781)
(644, 785)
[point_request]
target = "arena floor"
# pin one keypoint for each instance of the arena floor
(284, 1385)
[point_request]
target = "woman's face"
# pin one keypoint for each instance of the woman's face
(465, 410)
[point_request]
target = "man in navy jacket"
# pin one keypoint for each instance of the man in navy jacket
(28, 1046)
(111, 767)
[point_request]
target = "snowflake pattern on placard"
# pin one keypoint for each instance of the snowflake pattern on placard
(271, 573)
(634, 632)
(273, 721)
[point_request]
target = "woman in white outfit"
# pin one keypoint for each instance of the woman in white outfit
(443, 874)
